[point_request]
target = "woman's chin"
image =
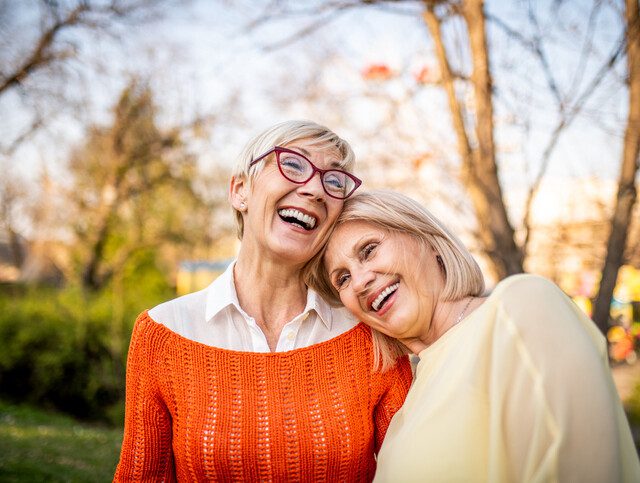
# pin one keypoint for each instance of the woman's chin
(291, 252)
(295, 245)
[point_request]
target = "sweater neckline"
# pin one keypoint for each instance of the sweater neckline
(360, 326)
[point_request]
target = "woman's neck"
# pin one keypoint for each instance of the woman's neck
(447, 315)
(270, 291)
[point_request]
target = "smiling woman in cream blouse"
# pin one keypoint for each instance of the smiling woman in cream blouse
(512, 387)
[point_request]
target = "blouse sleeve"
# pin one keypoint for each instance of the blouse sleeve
(553, 394)
(397, 380)
(146, 453)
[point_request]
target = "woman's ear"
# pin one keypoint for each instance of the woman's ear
(238, 193)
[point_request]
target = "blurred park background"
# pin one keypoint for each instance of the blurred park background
(516, 121)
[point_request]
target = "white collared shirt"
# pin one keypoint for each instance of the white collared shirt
(213, 316)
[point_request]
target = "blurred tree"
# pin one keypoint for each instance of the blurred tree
(11, 193)
(473, 121)
(133, 188)
(478, 152)
(39, 42)
(627, 193)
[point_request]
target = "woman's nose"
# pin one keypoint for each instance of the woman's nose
(361, 280)
(313, 187)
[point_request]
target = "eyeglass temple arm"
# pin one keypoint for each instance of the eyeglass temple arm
(260, 158)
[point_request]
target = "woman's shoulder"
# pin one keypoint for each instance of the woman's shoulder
(525, 292)
(174, 313)
(527, 285)
(148, 336)
(528, 294)
(535, 307)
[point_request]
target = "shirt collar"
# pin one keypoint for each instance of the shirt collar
(221, 293)
(322, 308)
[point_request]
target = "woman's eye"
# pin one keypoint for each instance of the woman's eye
(341, 280)
(292, 163)
(367, 250)
(334, 181)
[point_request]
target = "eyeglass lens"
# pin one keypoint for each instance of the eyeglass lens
(298, 169)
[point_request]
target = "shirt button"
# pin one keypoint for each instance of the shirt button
(291, 336)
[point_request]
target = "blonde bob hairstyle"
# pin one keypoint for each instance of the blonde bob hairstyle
(397, 213)
(283, 134)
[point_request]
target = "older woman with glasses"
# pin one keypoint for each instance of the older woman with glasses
(256, 377)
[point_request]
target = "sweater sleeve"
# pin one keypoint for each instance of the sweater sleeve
(397, 381)
(554, 396)
(146, 453)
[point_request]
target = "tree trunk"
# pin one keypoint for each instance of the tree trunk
(627, 195)
(485, 173)
(91, 278)
(480, 173)
(15, 248)
(91, 273)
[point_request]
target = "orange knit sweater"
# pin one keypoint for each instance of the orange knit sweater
(197, 413)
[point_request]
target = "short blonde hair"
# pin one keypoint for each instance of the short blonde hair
(280, 135)
(398, 213)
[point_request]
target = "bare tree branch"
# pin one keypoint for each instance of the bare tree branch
(566, 119)
(587, 46)
(305, 31)
(30, 131)
(328, 12)
(42, 54)
(534, 45)
(544, 62)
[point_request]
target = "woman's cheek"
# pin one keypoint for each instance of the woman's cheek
(354, 306)
(345, 300)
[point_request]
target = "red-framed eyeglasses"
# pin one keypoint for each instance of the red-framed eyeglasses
(299, 169)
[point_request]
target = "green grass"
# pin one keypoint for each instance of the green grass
(39, 446)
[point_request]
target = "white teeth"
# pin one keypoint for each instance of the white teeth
(309, 221)
(390, 289)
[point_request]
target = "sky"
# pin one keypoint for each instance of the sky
(217, 58)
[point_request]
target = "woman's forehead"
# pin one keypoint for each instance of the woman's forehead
(308, 146)
(348, 235)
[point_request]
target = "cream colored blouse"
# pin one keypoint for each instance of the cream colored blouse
(519, 391)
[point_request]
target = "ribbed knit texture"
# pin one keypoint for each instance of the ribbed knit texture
(197, 413)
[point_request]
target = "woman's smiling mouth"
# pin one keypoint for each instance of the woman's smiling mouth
(296, 217)
(383, 297)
